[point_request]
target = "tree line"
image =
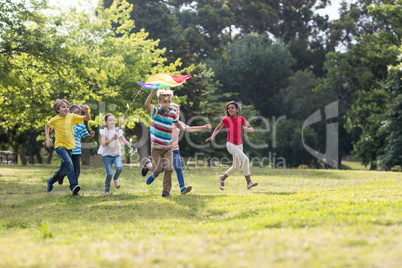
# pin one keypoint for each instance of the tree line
(280, 59)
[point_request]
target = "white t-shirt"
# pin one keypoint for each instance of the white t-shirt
(114, 148)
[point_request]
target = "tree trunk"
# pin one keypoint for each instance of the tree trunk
(49, 160)
(39, 158)
(23, 159)
(142, 133)
(31, 159)
(15, 156)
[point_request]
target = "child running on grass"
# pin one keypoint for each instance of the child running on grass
(162, 120)
(111, 151)
(63, 125)
(80, 132)
(235, 124)
(176, 153)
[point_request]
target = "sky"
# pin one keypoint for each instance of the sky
(331, 11)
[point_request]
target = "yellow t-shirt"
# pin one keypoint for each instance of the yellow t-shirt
(64, 129)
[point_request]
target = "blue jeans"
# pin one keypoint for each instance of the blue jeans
(76, 158)
(177, 167)
(109, 160)
(66, 167)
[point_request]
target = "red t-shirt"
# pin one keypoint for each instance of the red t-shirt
(234, 128)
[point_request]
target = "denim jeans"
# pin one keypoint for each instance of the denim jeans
(76, 158)
(109, 160)
(177, 167)
(66, 167)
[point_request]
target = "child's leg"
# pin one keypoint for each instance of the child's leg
(118, 165)
(157, 159)
(167, 160)
(108, 161)
(67, 163)
(76, 158)
(236, 152)
(177, 167)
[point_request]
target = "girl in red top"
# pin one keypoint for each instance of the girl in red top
(235, 124)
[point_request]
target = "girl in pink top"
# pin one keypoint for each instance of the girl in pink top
(235, 124)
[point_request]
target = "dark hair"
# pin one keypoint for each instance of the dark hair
(75, 106)
(235, 104)
(107, 116)
(58, 103)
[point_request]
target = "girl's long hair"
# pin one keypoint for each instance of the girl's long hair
(235, 104)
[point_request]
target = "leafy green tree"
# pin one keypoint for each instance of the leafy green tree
(256, 69)
(358, 75)
(91, 66)
(392, 122)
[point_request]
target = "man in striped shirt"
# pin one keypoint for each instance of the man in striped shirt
(162, 119)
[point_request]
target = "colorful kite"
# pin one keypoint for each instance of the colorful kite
(163, 80)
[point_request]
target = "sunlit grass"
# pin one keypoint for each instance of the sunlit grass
(293, 218)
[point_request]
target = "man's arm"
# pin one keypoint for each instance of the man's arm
(148, 101)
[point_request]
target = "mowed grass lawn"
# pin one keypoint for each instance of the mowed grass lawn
(293, 218)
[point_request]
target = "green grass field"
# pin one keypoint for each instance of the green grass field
(294, 218)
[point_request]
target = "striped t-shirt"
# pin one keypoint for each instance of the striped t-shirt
(161, 126)
(80, 131)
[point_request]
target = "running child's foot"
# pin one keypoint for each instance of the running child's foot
(76, 189)
(151, 179)
(116, 184)
(251, 184)
(166, 194)
(49, 188)
(144, 169)
(186, 189)
(221, 183)
(106, 193)
(60, 181)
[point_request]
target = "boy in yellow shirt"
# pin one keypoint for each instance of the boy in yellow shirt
(63, 125)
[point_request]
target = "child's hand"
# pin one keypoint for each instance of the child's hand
(48, 142)
(209, 139)
(115, 136)
(208, 126)
(92, 134)
(85, 108)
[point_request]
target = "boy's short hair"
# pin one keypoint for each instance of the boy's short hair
(74, 107)
(58, 103)
(164, 93)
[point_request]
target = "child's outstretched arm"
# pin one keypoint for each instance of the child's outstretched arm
(248, 127)
(148, 101)
(217, 129)
(122, 139)
(195, 128)
(48, 140)
(87, 116)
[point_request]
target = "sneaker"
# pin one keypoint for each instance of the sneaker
(144, 169)
(106, 193)
(166, 195)
(49, 188)
(60, 180)
(76, 189)
(151, 179)
(186, 189)
(252, 184)
(116, 184)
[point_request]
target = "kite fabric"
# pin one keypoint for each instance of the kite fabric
(163, 80)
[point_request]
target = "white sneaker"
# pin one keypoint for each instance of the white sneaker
(106, 193)
(252, 184)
